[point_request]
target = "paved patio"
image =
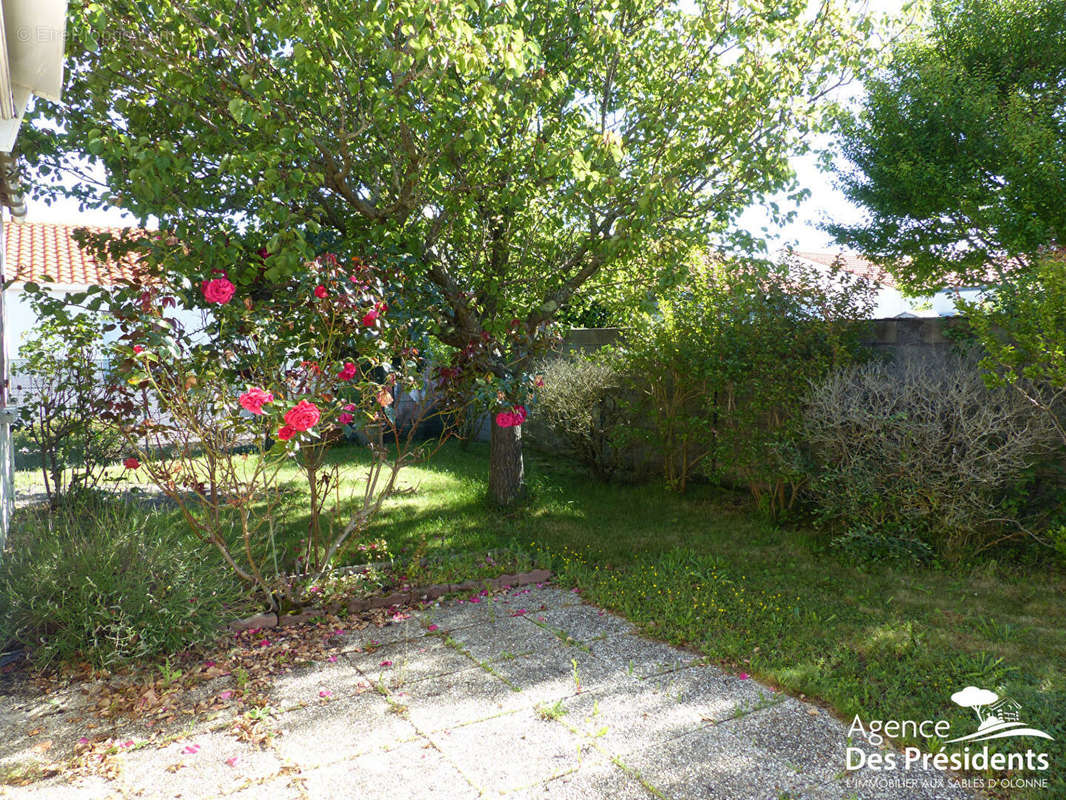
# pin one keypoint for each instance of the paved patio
(529, 694)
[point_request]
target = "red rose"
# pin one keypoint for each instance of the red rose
(254, 399)
(218, 290)
(138, 349)
(505, 419)
(320, 292)
(369, 317)
(303, 416)
(285, 432)
(348, 371)
(131, 463)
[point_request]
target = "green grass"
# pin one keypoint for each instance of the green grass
(706, 571)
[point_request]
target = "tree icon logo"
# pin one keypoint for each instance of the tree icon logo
(997, 717)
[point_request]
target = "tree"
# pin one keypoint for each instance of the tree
(958, 153)
(503, 155)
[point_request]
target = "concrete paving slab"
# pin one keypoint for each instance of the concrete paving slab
(525, 750)
(796, 734)
(62, 788)
(406, 626)
(538, 598)
(209, 765)
(505, 638)
(458, 699)
(408, 662)
(624, 717)
(305, 684)
(643, 657)
(712, 764)
(454, 614)
(508, 708)
(588, 782)
(915, 784)
(339, 729)
(557, 673)
(585, 623)
(412, 771)
(713, 694)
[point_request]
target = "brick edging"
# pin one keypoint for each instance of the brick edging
(409, 597)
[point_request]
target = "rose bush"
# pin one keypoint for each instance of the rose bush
(272, 377)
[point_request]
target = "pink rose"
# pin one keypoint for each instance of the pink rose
(254, 399)
(350, 407)
(320, 292)
(131, 463)
(218, 290)
(344, 418)
(348, 371)
(286, 432)
(369, 317)
(303, 416)
(513, 418)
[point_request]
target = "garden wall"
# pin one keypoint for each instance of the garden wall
(901, 339)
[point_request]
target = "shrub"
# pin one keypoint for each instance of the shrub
(108, 583)
(719, 371)
(579, 402)
(71, 405)
(923, 452)
(1022, 329)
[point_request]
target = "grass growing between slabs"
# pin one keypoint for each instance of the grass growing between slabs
(706, 571)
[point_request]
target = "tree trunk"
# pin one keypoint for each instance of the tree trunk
(506, 470)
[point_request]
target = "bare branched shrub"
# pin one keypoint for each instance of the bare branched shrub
(579, 403)
(925, 451)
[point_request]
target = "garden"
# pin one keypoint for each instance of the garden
(382, 404)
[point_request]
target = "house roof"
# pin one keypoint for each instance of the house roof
(48, 252)
(850, 262)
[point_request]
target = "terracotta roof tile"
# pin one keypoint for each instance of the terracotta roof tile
(851, 262)
(39, 251)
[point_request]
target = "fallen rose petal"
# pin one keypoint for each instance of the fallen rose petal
(325, 693)
(386, 663)
(226, 695)
(83, 740)
(744, 676)
(232, 761)
(432, 628)
(191, 749)
(332, 659)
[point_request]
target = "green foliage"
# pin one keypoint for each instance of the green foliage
(1022, 328)
(506, 154)
(923, 452)
(108, 583)
(959, 152)
(72, 404)
(716, 375)
(579, 401)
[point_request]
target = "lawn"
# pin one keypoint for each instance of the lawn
(704, 570)
(707, 571)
